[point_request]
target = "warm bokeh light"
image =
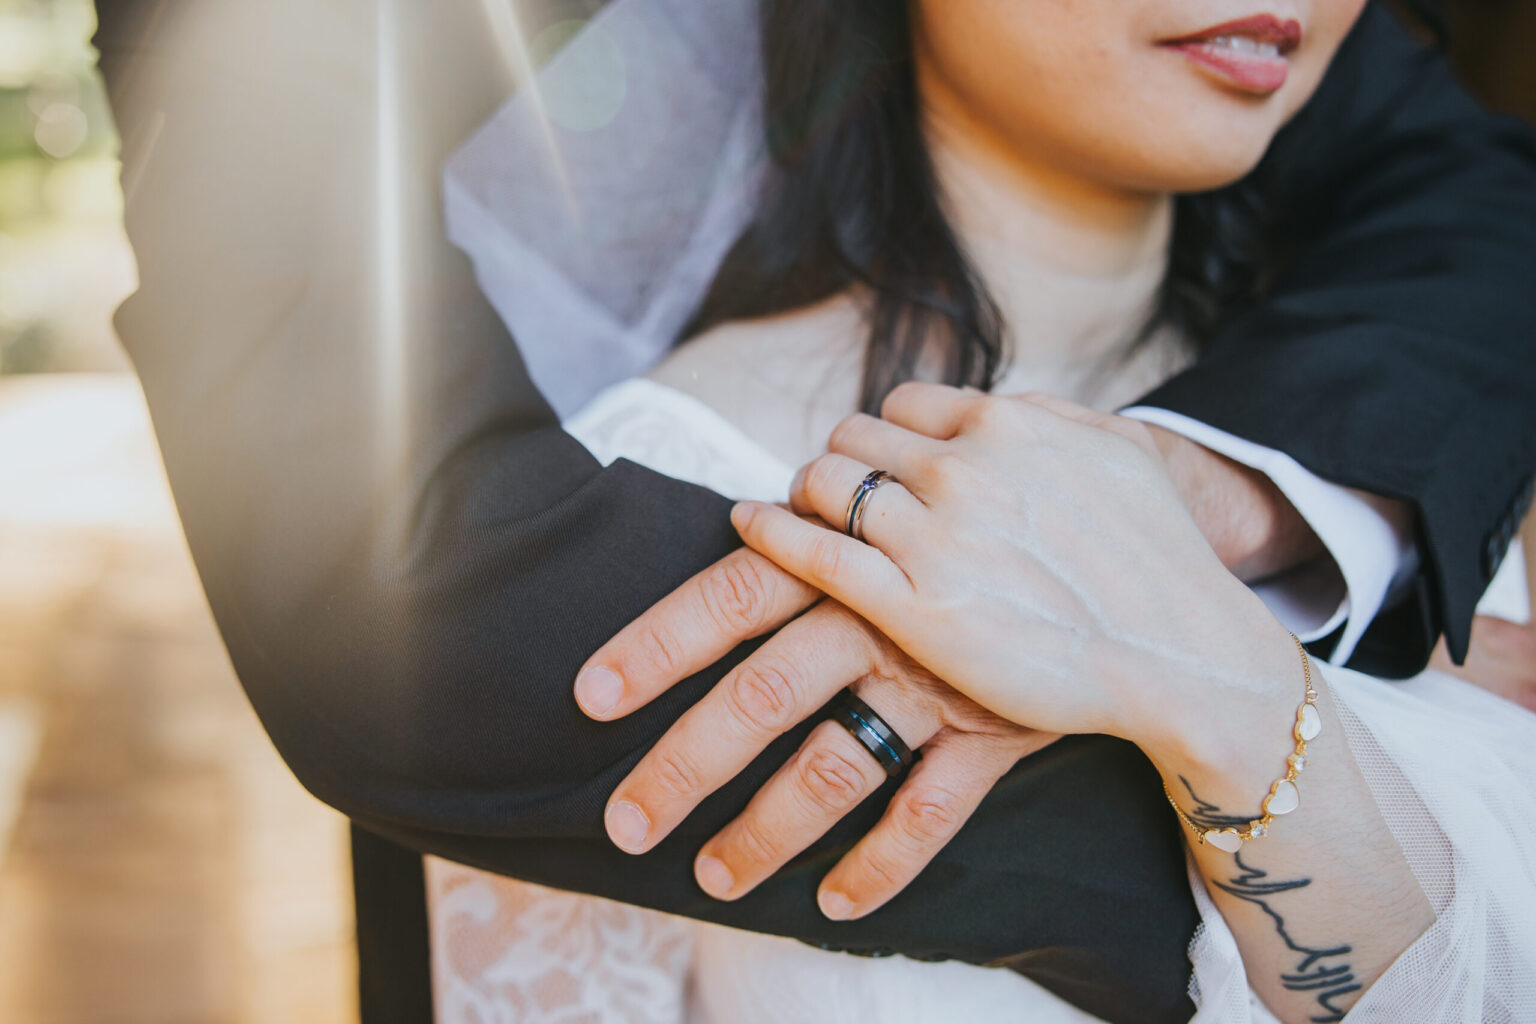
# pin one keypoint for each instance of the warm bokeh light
(64, 263)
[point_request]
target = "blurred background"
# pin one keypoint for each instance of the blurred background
(157, 861)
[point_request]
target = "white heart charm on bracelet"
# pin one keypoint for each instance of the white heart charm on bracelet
(1282, 799)
(1308, 722)
(1225, 839)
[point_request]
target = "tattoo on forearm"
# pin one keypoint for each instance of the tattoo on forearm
(1208, 815)
(1320, 971)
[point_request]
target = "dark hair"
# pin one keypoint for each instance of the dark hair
(854, 200)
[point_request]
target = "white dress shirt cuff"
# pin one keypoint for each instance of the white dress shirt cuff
(1369, 537)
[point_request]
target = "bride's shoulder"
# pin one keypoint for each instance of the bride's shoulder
(784, 380)
(789, 347)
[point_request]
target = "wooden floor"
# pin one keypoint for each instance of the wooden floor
(158, 864)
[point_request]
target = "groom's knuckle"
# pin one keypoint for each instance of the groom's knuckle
(661, 648)
(882, 869)
(757, 842)
(736, 596)
(927, 814)
(831, 780)
(676, 772)
(664, 648)
(763, 694)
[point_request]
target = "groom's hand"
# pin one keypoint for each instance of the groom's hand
(1248, 522)
(965, 748)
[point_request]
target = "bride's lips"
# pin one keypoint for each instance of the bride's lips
(1249, 53)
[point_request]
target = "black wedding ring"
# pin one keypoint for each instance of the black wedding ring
(874, 732)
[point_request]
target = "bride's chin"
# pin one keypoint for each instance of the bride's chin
(1204, 149)
(1194, 163)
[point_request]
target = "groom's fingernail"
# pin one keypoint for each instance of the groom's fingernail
(598, 690)
(714, 877)
(835, 905)
(794, 485)
(742, 514)
(627, 826)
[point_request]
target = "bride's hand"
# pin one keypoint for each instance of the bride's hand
(1037, 556)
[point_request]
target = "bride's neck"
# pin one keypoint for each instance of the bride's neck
(1067, 260)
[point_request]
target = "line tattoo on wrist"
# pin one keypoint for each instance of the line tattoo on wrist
(1322, 971)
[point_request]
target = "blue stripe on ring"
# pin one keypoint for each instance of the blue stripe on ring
(873, 734)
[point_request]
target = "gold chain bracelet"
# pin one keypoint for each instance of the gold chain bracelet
(1283, 796)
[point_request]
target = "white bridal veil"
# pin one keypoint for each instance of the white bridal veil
(596, 208)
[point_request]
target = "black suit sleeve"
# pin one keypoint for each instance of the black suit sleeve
(1395, 351)
(408, 560)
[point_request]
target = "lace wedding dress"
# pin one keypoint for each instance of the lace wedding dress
(1451, 766)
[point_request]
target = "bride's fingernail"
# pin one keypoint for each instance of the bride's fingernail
(627, 826)
(742, 514)
(714, 877)
(598, 690)
(794, 485)
(835, 905)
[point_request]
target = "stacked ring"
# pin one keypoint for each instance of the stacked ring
(853, 519)
(873, 732)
